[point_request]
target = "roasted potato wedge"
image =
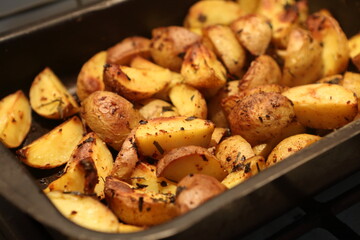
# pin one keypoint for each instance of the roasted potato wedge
(188, 101)
(253, 32)
(90, 78)
(354, 50)
(218, 135)
(248, 6)
(244, 170)
(144, 178)
(154, 108)
(303, 59)
(263, 70)
(62, 140)
(135, 83)
(15, 119)
(314, 105)
(289, 146)
(49, 97)
(110, 116)
(123, 52)
(90, 163)
(195, 189)
(182, 161)
(201, 69)
(261, 116)
(233, 151)
(85, 211)
(169, 44)
(226, 47)
(206, 13)
(158, 136)
(335, 52)
(351, 81)
(137, 207)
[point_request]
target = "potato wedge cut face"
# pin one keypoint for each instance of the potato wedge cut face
(15, 119)
(158, 136)
(133, 83)
(189, 160)
(62, 140)
(85, 211)
(314, 105)
(49, 97)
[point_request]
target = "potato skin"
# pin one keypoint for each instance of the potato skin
(110, 116)
(261, 116)
(168, 45)
(289, 146)
(195, 189)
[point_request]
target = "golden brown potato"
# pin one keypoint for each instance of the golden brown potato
(49, 97)
(264, 149)
(176, 78)
(85, 211)
(261, 116)
(126, 159)
(206, 13)
(15, 119)
(188, 101)
(303, 59)
(354, 50)
(182, 161)
(335, 52)
(90, 78)
(244, 170)
(154, 108)
(215, 111)
(195, 189)
(90, 163)
(123, 52)
(351, 81)
(137, 207)
(169, 44)
(248, 6)
(110, 116)
(315, 105)
(144, 178)
(253, 32)
(263, 70)
(283, 15)
(156, 137)
(135, 83)
(201, 69)
(62, 140)
(233, 151)
(226, 47)
(218, 134)
(289, 146)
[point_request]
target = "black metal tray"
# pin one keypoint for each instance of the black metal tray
(64, 43)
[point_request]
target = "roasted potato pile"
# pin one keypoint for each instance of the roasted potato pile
(162, 124)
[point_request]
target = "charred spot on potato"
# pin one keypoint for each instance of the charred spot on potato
(179, 189)
(202, 18)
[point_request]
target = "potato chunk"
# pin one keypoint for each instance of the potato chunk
(185, 160)
(15, 119)
(206, 13)
(315, 105)
(133, 83)
(62, 140)
(90, 163)
(85, 211)
(154, 108)
(188, 101)
(49, 97)
(195, 189)
(354, 48)
(110, 116)
(123, 52)
(90, 78)
(137, 207)
(289, 146)
(158, 136)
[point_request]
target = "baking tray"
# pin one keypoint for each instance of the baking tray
(65, 42)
